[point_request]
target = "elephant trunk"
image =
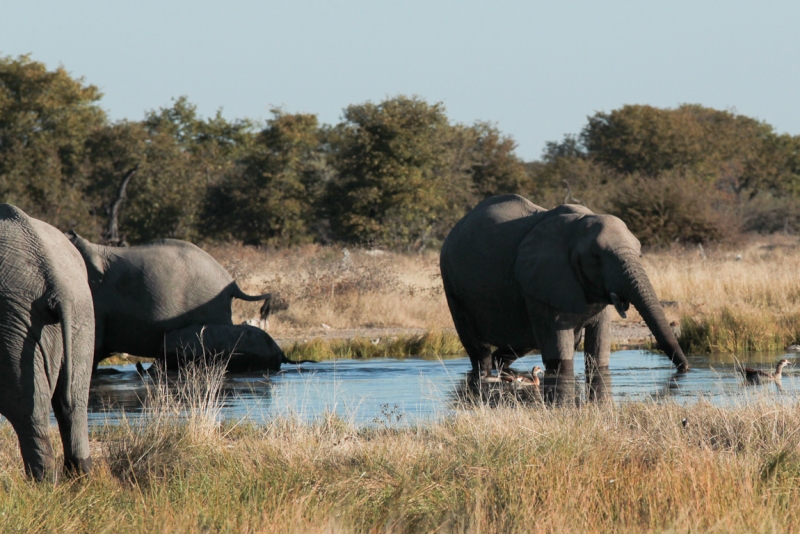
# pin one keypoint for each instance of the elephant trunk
(640, 293)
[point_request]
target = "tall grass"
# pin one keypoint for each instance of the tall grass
(632, 467)
(341, 288)
(180, 415)
(732, 299)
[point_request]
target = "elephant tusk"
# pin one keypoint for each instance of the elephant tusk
(618, 305)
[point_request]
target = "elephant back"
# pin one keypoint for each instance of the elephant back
(484, 242)
(477, 263)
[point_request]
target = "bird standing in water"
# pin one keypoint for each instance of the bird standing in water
(524, 380)
(756, 376)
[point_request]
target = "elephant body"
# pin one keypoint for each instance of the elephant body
(243, 348)
(46, 341)
(519, 277)
(141, 293)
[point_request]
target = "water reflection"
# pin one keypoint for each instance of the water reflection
(362, 391)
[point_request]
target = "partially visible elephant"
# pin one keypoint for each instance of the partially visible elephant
(46, 341)
(242, 348)
(519, 277)
(141, 293)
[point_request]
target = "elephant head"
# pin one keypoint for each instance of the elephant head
(575, 260)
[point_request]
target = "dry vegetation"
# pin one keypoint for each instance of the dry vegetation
(341, 288)
(732, 299)
(631, 467)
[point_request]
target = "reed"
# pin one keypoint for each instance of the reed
(731, 330)
(180, 415)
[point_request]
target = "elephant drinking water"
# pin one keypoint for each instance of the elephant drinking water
(142, 293)
(519, 277)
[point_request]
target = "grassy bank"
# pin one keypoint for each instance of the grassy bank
(632, 467)
(732, 299)
(428, 345)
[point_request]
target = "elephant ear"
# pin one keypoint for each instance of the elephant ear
(544, 270)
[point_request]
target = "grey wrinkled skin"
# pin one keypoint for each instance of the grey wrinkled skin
(242, 348)
(519, 277)
(46, 341)
(141, 293)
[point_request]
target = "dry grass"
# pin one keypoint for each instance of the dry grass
(732, 299)
(632, 467)
(341, 288)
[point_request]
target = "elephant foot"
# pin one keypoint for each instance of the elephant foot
(40, 472)
(78, 466)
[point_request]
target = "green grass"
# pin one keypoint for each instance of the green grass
(730, 330)
(432, 344)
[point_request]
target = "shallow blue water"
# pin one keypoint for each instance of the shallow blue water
(388, 391)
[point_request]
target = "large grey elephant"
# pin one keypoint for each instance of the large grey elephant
(519, 277)
(141, 293)
(46, 341)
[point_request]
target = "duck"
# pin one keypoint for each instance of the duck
(521, 380)
(757, 376)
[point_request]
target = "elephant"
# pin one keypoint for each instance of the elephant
(46, 342)
(141, 293)
(519, 277)
(243, 348)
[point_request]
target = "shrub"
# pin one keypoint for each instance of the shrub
(669, 208)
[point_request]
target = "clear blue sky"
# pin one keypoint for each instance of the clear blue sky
(535, 69)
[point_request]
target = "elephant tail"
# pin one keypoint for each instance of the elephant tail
(272, 302)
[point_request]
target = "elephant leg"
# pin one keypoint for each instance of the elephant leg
(503, 357)
(480, 353)
(597, 344)
(34, 444)
(73, 426)
(556, 342)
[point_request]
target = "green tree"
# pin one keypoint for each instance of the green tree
(45, 118)
(495, 169)
(705, 142)
(114, 153)
(272, 198)
(393, 169)
(178, 156)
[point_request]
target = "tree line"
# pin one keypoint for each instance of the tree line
(395, 174)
